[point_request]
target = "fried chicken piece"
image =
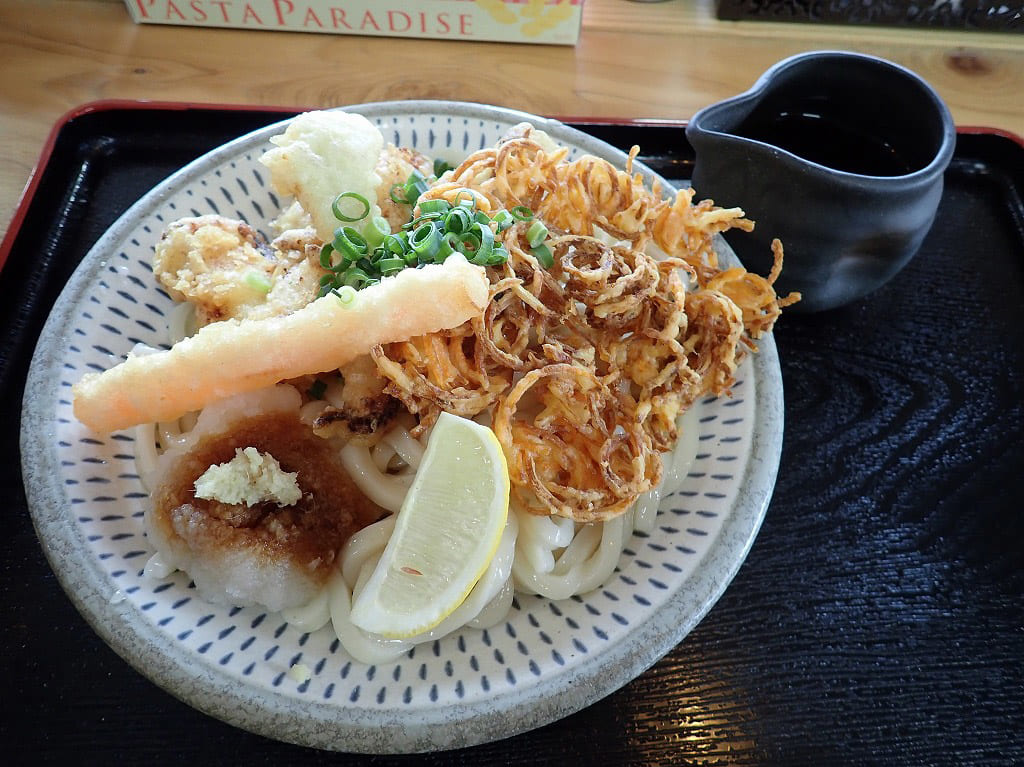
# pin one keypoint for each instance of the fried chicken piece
(220, 265)
(228, 271)
(296, 277)
(320, 155)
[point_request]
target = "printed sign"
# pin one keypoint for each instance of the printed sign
(524, 21)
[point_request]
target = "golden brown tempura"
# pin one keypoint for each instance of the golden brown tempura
(586, 365)
(237, 356)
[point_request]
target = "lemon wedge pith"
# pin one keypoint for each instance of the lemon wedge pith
(445, 536)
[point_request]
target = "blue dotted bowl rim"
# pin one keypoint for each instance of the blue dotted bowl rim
(317, 723)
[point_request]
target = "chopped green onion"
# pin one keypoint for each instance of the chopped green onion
(467, 243)
(544, 256)
(414, 187)
(317, 389)
(336, 206)
(438, 230)
(447, 247)
(484, 243)
(498, 256)
(425, 241)
(375, 231)
(503, 219)
(537, 233)
(409, 192)
(428, 207)
(349, 243)
(346, 294)
(396, 243)
(356, 278)
(441, 167)
(258, 281)
(325, 256)
(389, 266)
(458, 220)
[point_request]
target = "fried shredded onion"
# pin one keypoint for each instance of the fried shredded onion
(584, 367)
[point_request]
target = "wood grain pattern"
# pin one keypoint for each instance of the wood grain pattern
(633, 60)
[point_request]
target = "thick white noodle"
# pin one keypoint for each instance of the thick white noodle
(487, 604)
(592, 561)
(332, 393)
(363, 547)
(550, 556)
(676, 465)
(157, 568)
(381, 454)
(181, 322)
(356, 642)
(145, 454)
(146, 451)
(407, 448)
(496, 611)
(311, 616)
(171, 434)
(646, 510)
(311, 411)
(583, 546)
(386, 490)
(540, 537)
(559, 560)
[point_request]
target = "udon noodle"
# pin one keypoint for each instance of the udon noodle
(553, 557)
(586, 368)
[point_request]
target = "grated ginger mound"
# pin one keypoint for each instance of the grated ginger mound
(251, 477)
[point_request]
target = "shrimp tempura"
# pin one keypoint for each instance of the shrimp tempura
(236, 356)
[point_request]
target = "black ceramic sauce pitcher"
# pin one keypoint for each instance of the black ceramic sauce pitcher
(837, 154)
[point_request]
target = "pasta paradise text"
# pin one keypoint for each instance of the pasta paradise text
(288, 14)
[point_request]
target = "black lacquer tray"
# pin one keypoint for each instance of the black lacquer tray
(878, 619)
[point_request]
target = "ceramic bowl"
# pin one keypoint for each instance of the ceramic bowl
(840, 156)
(546, 660)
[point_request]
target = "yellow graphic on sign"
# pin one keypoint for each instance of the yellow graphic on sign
(535, 16)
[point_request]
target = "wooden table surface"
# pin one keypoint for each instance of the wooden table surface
(633, 60)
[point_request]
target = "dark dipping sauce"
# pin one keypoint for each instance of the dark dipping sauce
(310, 533)
(835, 143)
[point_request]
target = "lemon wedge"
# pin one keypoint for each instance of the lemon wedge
(445, 534)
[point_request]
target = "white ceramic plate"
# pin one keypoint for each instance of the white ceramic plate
(547, 661)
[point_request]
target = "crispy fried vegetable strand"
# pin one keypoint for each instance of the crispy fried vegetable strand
(585, 359)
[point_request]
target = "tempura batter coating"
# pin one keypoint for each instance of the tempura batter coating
(225, 269)
(322, 154)
(236, 356)
(215, 263)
